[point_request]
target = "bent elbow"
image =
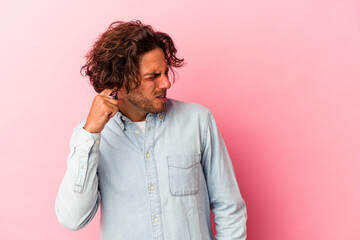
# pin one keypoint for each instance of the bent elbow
(75, 218)
(68, 221)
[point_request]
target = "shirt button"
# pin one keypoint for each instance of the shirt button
(161, 116)
(122, 125)
(147, 155)
(97, 142)
(152, 187)
(156, 220)
(90, 142)
(149, 128)
(137, 131)
(84, 167)
(123, 118)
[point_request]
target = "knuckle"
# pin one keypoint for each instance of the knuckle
(99, 99)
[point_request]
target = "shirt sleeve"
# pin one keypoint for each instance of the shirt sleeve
(78, 197)
(226, 202)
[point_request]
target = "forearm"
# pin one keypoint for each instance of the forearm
(227, 204)
(230, 216)
(78, 197)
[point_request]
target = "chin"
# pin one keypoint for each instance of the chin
(159, 109)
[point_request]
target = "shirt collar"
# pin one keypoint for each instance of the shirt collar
(123, 121)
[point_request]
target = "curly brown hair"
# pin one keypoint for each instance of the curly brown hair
(113, 61)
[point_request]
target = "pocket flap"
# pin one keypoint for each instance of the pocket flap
(184, 161)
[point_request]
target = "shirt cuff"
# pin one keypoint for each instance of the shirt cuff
(87, 141)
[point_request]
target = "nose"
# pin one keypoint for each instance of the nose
(164, 82)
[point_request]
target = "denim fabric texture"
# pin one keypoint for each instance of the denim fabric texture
(160, 185)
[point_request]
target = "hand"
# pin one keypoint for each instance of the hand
(102, 109)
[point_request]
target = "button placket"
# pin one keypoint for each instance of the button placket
(152, 179)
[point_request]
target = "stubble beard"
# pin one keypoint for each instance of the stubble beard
(140, 101)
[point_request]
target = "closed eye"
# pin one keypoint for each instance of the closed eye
(152, 76)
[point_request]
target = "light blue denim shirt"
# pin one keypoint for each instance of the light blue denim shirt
(159, 185)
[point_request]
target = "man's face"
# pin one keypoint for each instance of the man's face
(150, 95)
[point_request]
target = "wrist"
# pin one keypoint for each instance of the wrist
(91, 129)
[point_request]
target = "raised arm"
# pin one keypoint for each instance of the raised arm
(78, 198)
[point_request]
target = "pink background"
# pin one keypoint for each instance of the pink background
(281, 77)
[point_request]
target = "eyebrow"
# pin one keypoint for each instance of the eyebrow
(155, 73)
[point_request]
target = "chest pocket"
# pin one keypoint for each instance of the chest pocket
(184, 171)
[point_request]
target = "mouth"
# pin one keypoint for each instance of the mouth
(162, 97)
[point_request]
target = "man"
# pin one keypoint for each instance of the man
(157, 166)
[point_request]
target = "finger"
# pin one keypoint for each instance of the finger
(117, 102)
(111, 101)
(113, 109)
(113, 112)
(106, 92)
